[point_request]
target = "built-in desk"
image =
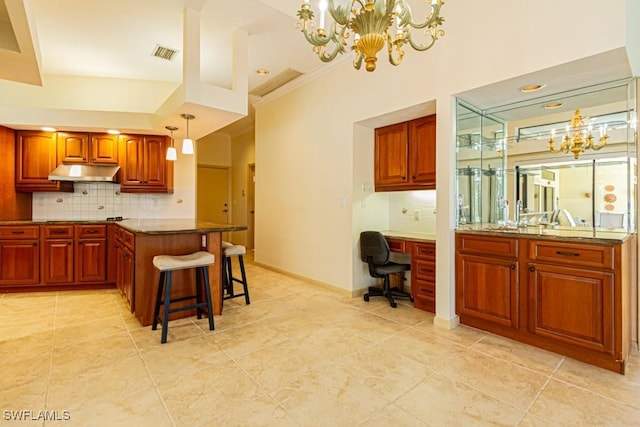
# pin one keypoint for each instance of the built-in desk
(422, 249)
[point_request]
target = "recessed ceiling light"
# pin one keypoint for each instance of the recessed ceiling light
(48, 129)
(113, 132)
(532, 88)
(262, 72)
(553, 105)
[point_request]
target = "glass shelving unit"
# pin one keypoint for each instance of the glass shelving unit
(507, 175)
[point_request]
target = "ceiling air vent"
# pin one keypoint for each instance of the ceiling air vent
(274, 83)
(164, 52)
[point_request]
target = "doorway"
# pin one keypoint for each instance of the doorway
(251, 205)
(213, 194)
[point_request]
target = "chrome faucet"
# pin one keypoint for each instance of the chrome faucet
(517, 211)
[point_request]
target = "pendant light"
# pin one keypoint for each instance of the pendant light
(171, 151)
(187, 143)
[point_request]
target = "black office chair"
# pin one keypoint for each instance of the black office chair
(374, 250)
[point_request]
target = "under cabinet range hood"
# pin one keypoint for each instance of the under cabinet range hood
(85, 173)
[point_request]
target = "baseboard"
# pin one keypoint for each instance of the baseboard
(324, 285)
(441, 322)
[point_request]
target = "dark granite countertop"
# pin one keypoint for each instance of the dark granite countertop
(566, 234)
(176, 226)
(146, 225)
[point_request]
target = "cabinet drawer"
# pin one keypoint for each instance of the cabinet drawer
(128, 239)
(425, 288)
(573, 254)
(425, 269)
(487, 245)
(19, 232)
(396, 245)
(57, 231)
(91, 231)
(424, 250)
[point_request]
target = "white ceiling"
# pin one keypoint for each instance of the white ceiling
(116, 38)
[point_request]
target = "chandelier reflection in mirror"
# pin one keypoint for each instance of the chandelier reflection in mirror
(578, 138)
(373, 23)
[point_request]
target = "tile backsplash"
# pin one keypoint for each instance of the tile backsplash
(413, 211)
(98, 201)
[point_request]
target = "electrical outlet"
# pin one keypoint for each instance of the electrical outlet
(416, 215)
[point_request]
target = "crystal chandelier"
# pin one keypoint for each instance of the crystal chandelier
(578, 138)
(372, 23)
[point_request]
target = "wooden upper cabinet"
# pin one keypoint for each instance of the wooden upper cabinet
(104, 148)
(391, 155)
(36, 157)
(87, 148)
(422, 154)
(144, 165)
(405, 155)
(73, 147)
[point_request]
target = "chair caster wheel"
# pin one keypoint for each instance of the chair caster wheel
(394, 305)
(366, 297)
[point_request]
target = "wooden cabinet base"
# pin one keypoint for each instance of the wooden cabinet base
(602, 360)
(571, 297)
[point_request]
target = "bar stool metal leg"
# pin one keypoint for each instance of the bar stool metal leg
(156, 309)
(244, 280)
(207, 291)
(167, 302)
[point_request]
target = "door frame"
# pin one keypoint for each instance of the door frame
(251, 202)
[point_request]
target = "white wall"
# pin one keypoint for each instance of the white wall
(309, 153)
(242, 155)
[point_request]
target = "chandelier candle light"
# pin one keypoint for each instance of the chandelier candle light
(580, 140)
(372, 23)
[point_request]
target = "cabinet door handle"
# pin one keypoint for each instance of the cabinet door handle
(563, 253)
(513, 266)
(91, 231)
(413, 177)
(116, 246)
(532, 269)
(17, 232)
(125, 255)
(58, 231)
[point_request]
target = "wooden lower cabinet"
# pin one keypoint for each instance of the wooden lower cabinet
(423, 270)
(57, 254)
(19, 262)
(572, 305)
(91, 253)
(423, 276)
(487, 288)
(57, 261)
(568, 297)
(19, 255)
(125, 265)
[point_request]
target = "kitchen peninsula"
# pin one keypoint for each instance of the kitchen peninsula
(41, 255)
(153, 237)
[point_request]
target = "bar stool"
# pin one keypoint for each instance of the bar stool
(167, 264)
(230, 250)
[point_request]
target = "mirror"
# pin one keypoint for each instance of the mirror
(508, 174)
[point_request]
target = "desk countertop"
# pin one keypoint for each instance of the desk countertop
(410, 236)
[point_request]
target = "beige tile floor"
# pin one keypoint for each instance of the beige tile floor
(299, 355)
